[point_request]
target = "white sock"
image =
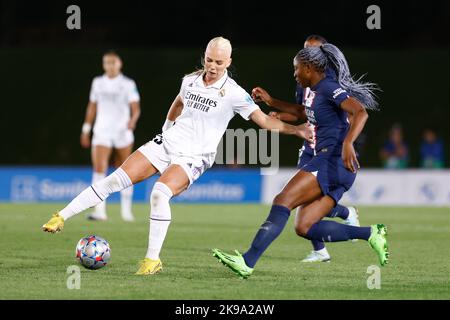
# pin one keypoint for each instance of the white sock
(100, 209)
(160, 217)
(98, 192)
(126, 200)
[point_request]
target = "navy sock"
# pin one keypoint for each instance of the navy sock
(330, 231)
(339, 211)
(268, 232)
(317, 245)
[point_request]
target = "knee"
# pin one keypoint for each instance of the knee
(289, 199)
(282, 199)
(302, 228)
(116, 181)
(159, 202)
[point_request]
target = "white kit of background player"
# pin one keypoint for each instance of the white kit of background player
(114, 102)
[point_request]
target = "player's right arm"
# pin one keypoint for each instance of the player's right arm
(259, 94)
(89, 118)
(283, 116)
(304, 131)
(174, 111)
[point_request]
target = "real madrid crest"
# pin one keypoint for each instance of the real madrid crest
(222, 93)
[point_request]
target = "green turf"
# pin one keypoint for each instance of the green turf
(33, 263)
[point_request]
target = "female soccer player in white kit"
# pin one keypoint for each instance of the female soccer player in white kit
(114, 104)
(207, 101)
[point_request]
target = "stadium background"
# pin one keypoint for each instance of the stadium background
(47, 71)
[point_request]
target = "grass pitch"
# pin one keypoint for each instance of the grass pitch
(34, 264)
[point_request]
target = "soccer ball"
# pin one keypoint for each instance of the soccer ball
(93, 252)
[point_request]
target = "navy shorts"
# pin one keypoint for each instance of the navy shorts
(333, 177)
(303, 158)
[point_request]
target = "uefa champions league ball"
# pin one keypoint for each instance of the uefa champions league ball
(93, 252)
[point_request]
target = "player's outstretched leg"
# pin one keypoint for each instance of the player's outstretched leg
(89, 198)
(135, 169)
(243, 264)
(302, 188)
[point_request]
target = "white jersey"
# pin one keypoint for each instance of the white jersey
(206, 114)
(113, 98)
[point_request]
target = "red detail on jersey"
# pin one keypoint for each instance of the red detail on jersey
(314, 142)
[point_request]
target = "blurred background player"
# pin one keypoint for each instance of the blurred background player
(114, 106)
(207, 101)
(293, 112)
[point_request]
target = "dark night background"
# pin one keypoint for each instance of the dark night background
(46, 69)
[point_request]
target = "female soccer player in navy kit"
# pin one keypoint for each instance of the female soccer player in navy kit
(320, 184)
(293, 112)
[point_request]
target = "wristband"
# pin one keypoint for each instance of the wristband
(86, 128)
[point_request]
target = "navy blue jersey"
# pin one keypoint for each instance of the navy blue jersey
(330, 73)
(299, 90)
(322, 103)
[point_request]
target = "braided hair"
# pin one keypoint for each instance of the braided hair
(329, 56)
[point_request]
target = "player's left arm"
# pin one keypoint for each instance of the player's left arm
(135, 114)
(357, 118)
(270, 123)
(134, 102)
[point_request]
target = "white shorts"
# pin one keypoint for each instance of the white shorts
(161, 159)
(117, 140)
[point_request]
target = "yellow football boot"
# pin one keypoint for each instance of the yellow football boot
(55, 224)
(149, 266)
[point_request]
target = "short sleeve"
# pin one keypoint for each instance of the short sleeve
(336, 94)
(133, 93)
(93, 97)
(183, 88)
(244, 104)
